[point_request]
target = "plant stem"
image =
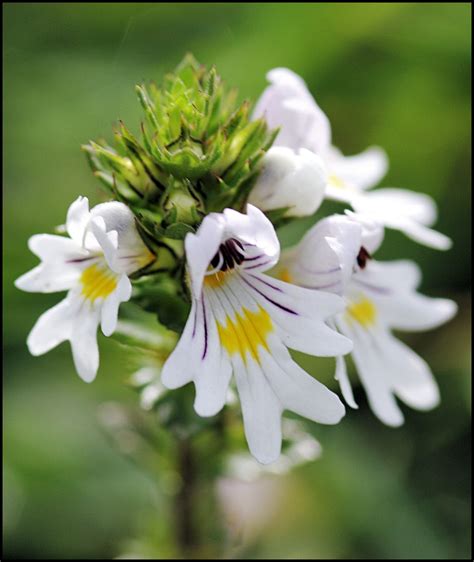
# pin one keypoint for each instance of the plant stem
(184, 502)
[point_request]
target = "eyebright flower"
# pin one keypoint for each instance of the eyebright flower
(292, 180)
(92, 264)
(242, 321)
(287, 103)
(336, 256)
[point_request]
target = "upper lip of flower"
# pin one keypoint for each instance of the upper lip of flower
(224, 239)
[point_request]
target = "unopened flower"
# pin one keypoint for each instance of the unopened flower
(290, 179)
(242, 322)
(92, 264)
(288, 104)
(335, 256)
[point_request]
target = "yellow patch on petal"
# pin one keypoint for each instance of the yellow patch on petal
(98, 282)
(145, 258)
(363, 312)
(215, 280)
(336, 181)
(246, 333)
(285, 276)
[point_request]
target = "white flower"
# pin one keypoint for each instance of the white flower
(242, 322)
(92, 265)
(335, 256)
(288, 104)
(296, 180)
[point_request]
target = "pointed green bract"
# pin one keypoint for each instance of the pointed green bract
(197, 152)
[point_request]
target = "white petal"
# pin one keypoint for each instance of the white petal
(53, 327)
(372, 372)
(261, 411)
(297, 390)
(361, 171)
(396, 275)
(392, 287)
(345, 384)
(178, 369)
(202, 247)
(414, 312)
(422, 234)
(419, 207)
(212, 376)
(409, 212)
(198, 356)
(290, 179)
(298, 314)
(325, 257)
(77, 218)
(337, 190)
(109, 315)
(108, 241)
(410, 376)
(288, 104)
(85, 350)
(372, 230)
(110, 306)
(124, 289)
(131, 252)
(51, 248)
(342, 377)
(49, 278)
(253, 228)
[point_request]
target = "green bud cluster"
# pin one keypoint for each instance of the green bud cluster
(198, 152)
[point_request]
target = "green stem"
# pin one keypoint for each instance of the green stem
(184, 502)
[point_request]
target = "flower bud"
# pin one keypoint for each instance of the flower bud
(292, 180)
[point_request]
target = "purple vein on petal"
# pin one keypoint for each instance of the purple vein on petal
(258, 278)
(254, 266)
(205, 328)
(289, 310)
(255, 257)
(79, 260)
(195, 321)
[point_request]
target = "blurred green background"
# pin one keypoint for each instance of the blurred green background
(393, 74)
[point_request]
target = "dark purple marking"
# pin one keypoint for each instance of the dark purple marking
(205, 329)
(232, 254)
(266, 283)
(362, 257)
(195, 321)
(255, 257)
(258, 265)
(79, 260)
(269, 299)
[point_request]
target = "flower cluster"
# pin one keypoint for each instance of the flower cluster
(192, 236)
